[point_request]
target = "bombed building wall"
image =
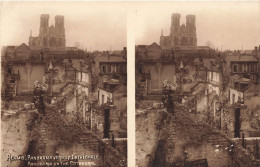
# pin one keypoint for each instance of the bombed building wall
(120, 101)
(252, 119)
(188, 140)
(16, 122)
(148, 126)
(29, 73)
(160, 73)
(151, 60)
(238, 119)
(108, 121)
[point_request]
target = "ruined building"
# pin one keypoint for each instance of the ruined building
(52, 37)
(183, 36)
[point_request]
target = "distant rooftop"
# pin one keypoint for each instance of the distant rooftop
(241, 58)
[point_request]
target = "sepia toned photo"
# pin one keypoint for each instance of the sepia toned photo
(197, 84)
(63, 84)
(138, 84)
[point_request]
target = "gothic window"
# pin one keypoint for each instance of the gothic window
(176, 41)
(103, 99)
(124, 69)
(233, 98)
(52, 42)
(60, 42)
(244, 68)
(253, 67)
(109, 69)
(183, 41)
(235, 68)
(164, 42)
(103, 69)
(240, 67)
(250, 67)
(46, 23)
(12, 80)
(58, 23)
(117, 68)
(191, 41)
(45, 41)
(113, 68)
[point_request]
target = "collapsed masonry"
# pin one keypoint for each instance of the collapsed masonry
(180, 139)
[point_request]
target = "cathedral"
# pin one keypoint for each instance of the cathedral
(52, 37)
(183, 37)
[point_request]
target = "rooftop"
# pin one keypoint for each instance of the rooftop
(241, 58)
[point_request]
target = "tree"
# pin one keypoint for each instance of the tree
(77, 44)
(168, 88)
(38, 90)
(209, 44)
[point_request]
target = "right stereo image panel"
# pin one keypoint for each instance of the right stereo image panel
(197, 84)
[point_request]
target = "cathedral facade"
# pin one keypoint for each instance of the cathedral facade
(181, 36)
(52, 37)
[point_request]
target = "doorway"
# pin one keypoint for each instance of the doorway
(106, 123)
(237, 123)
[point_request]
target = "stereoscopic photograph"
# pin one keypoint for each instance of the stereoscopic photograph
(117, 84)
(63, 84)
(197, 84)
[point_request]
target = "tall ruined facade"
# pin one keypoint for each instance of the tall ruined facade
(52, 37)
(183, 36)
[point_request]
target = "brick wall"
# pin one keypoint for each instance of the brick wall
(184, 134)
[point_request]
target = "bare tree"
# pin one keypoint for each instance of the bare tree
(77, 44)
(209, 44)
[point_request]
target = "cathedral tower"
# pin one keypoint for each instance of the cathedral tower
(181, 36)
(60, 31)
(44, 24)
(175, 24)
(191, 30)
(49, 37)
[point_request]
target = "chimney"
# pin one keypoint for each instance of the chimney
(256, 51)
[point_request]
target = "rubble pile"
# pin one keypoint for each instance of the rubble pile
(39, 86)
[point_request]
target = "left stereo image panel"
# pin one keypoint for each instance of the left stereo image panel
(63, 84)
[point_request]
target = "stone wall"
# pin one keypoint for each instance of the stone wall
(29, 73)
(252, 144)
(15, 134)
(148, 125)
(187, 139)
(86, 145)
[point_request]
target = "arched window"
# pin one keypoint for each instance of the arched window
(45, 41)
(60, 42)
(191, 41)
(183, 41)
(52, 42)
(176, 41)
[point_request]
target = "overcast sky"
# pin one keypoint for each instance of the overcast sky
(95, 25)
(228, 25)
